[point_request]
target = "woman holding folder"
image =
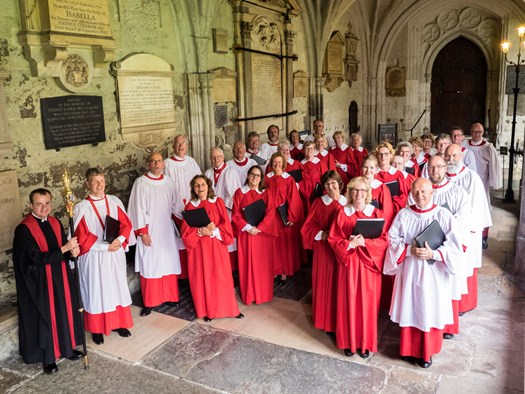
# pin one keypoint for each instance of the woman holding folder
(253, 221)
(360, 263)
(209, 268)
(315, 237)
(286, 250)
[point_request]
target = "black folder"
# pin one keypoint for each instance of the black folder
(318, 190)
(432, 234)
(369, 228)
(375, 203)
(258, 159)
(410, 170)
(393, 187)
(297, 175)
(254, 212)
(283, 212)
(196, 217)
(111, 229)
(445, 205)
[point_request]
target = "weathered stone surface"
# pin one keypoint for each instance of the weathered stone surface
(9, 379)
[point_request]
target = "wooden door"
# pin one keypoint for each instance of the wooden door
(459, 87)
(353, 112)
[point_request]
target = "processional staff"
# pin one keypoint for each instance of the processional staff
(70, 202)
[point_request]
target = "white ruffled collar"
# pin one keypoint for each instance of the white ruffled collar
(367, 211)
(245, 189)
(327, 200)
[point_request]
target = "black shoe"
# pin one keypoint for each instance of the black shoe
(424, 364)
(50, 368)
(348, 353)
(207, 319)
(76, 355)
(173, 303)
(448, 336)
(366, 354)
(485, 244)
(239, 316)
(409, 359)
(98, 339)
(123, 332)
(145, 311)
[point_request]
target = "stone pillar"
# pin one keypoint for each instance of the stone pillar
(205, 85)
(6, 145)
(196, 129)
(316, 100)
(289, 37)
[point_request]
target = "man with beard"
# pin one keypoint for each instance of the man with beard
(421, 301)
(456, 200)
(457, 136)
(240, 162)
(458, 173)
(270, 147)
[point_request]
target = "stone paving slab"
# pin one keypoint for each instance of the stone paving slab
(107, 375)
(9, 379)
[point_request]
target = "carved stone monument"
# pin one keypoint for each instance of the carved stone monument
(145, 97)
(10, 208)
(333, 68)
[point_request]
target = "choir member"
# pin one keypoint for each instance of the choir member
(457, 136)
(405, 150)
(358, 151)
(418, 157)
(344, 158)
(209, 268)
(181, 168)
(151, 205)
(296, 147)
(240, 162)
(428, 145)
(360, 263)
(102, 265)
(318, 130)
(286, 251)
(323, 154)
(386, 174)
(441, 143)
(270, 146)
(254, 242)
(313, 169)
(49, 326)
(458, 173)
(399, 163)
(421, 303)
(315, 237)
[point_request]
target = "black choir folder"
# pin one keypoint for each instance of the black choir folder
(297, 175)
(393, 187)
(258, 159)
(196, 217)
(410, 170)
(254, 212)
(369, 228)
(283, 212)
(111, 229)
(432, 234)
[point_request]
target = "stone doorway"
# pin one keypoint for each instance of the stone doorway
(458, 87)
(353, 112)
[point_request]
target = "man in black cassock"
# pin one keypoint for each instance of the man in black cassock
(49, 325)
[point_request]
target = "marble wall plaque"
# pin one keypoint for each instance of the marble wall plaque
(10, 208)
(89, 17)
(220, 41)
(267, 87)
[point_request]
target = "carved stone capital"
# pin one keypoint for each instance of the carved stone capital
(246, 29)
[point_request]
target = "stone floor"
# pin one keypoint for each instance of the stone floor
(275, 349)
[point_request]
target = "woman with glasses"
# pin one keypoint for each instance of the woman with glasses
(315, 237)
(360, 264)
(254, 240)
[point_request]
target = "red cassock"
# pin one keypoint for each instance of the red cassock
(312, 172)
(255, 261)
(359, 156)
(324, 269)
(358, 281)
(296, 152)
(392, 175)
(286, 250)
(412, 163)
(327, 159)
(209, 268)
(344, 156)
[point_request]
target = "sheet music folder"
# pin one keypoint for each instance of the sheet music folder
(393, 187)
(432, 234)
(111, 229)
(254, 212)
(196, 217)
(369, 228)
(283, 212)
(258, 159)
(297, 175)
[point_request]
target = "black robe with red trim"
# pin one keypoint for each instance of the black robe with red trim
(48, 319)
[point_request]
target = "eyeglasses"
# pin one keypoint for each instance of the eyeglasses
(383, 154)
(255, 175)
(359, 191)
(438, 167)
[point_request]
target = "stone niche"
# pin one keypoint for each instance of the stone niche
(69, 40)
(333, 67)
(145, 99)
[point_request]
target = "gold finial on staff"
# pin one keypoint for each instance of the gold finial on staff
(68, 194)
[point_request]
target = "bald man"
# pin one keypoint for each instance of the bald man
(460, 174)
(318, 130)
(240, 163)
(421, 300)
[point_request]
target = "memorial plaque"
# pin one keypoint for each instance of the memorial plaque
(72, 120)
(10, 208)
(511, 80)
(387, 132)
(220, 41)
(267, 87)
(89, 17)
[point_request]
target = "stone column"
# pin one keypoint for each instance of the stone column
(6, 145)
(289, 37)
(196, 129)
(205, 85)
(316, 99)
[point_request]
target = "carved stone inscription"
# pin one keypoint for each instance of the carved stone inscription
(10, 208)
(72, 120)
(267, 88)
(90, 17)
(145, 100)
